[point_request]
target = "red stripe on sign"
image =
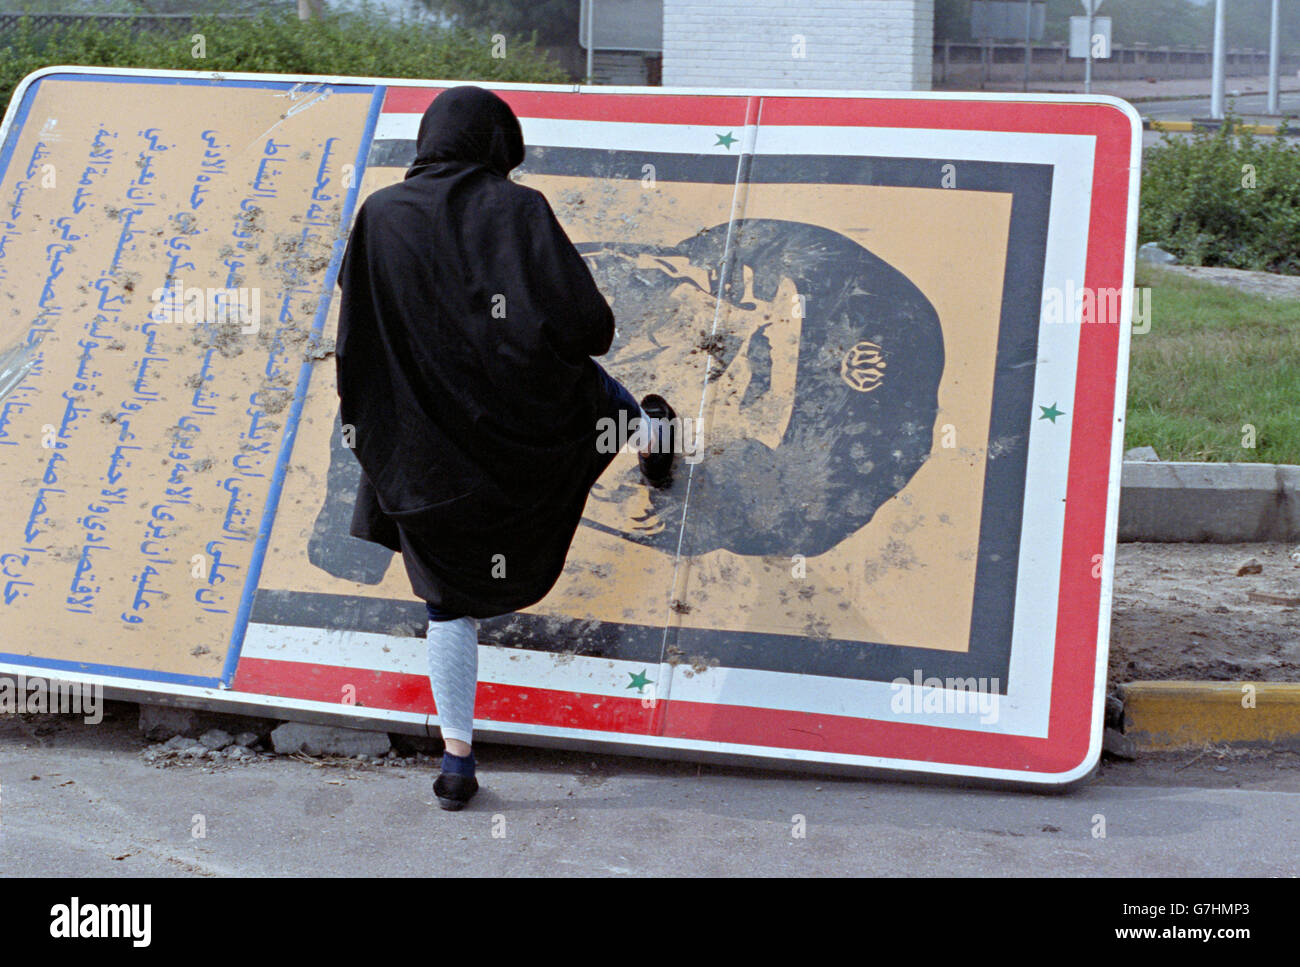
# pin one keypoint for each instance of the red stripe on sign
(650, 108)
(396, 691)
(845, 735)
(640, 108)
(401, 692)
(1026, 117)
(565, 710)
(1093, 426)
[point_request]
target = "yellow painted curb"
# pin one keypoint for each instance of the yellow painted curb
(1192, 126)
(1165, 716)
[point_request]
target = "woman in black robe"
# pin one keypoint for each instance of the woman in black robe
(467, 323)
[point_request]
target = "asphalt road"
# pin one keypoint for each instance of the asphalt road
(1245, 104)
(80, 801)
(1248, 106)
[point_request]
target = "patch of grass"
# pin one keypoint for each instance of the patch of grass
(1216, 362)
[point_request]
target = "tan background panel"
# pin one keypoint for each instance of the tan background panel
(175, 632)
(906, 578)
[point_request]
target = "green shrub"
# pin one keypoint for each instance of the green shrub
(364, 45)
(1224, 198)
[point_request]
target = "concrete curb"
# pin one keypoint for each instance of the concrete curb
(1221, 503)
(1206, 125)
(1174, 716)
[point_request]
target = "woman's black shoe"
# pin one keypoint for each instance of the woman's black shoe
(657, 466)
(454, 790)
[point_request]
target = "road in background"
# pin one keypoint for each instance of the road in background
(1244, 105)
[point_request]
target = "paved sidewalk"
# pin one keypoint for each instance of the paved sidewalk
(79, 801)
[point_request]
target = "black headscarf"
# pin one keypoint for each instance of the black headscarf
(467, 323)
(469, 124)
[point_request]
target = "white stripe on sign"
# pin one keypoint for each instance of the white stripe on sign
(408, 656)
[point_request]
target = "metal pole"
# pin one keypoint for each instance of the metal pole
(1274, 63)
(1087, 67)
(591, 39)
(1216, 73)
(1029, 8)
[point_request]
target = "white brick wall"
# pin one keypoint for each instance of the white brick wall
(882, 45)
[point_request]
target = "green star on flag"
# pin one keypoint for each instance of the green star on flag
(726, 140)
(1050, 412)
(639, 680)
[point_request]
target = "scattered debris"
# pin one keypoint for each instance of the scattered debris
(292, 737)
(318, 348)
(1117, 744)
(1114, 712)
(216, 739)
(249, 219)
(159, 723)
(702, 663)
(1250, 567)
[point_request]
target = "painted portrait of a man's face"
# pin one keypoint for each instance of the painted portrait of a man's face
(822, 389)
(823, 369)
(820, 355)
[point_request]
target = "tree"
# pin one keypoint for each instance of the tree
(1173, 22)
(1158, 22)
(555, 21)
(952, 20)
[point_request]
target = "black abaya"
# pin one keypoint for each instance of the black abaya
(466, 329)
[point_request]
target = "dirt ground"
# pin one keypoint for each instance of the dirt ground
(1182, 612)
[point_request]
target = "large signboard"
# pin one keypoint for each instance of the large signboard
(898, 325)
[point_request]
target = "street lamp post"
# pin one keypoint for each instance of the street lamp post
(591, 39)
(1274, 62)
(1216, 79)
(1087, 68)
(1029, 29)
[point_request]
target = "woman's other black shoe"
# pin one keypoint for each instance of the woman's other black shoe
(657, 466)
